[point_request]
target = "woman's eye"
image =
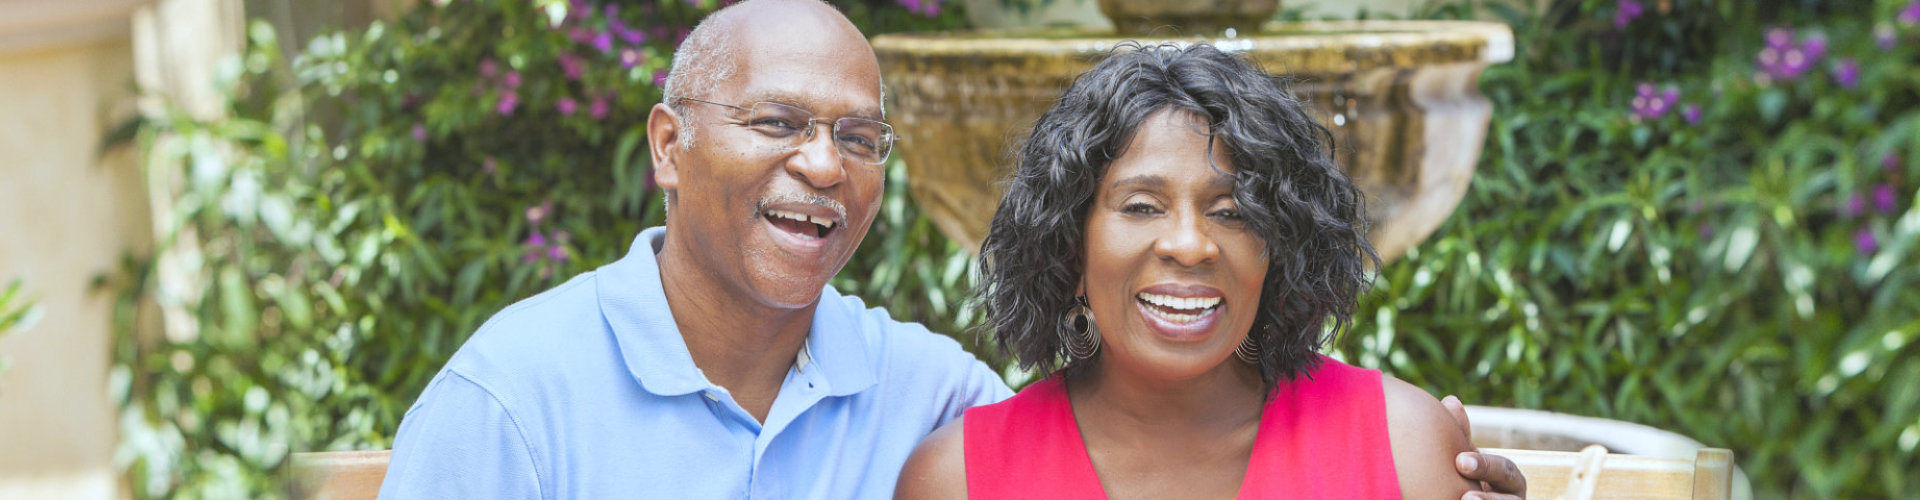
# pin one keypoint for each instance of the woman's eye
(1229, 214)
(1139, 208)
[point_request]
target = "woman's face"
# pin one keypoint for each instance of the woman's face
(1173, 275)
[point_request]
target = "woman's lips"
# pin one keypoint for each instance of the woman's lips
(1182, 315)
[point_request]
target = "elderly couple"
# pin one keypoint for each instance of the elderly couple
(1171, 249)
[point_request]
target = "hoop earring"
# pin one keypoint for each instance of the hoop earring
(1248, 350)
(1082, 342)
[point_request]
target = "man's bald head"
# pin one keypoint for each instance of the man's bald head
(711, 53)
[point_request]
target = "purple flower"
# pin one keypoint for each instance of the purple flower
(566, 106)
(538, 213)
(1691, 113)
(660, 78)
(1884, 37)
(572, 65)
(1847, 73)
(512, 80)
(1785, 59)
(419, 133)
(508, 101)
(598, 110)
(1884, 199)
(1856, 205)
(580, 35)
(557, 253)
(1625, 13)
(536, 244)
(1890, 162)
(630, 57)
(1910, 14)
(1650, 102)
(1865, 242)
(603, 41)
(488, 68)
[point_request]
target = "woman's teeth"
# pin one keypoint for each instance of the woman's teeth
(1180, 309)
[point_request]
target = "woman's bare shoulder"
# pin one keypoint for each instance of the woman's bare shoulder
(937, 469)
(1425, 441)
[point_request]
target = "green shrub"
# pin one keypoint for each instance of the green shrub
(1746, 276)
(17, 312)
(364, 207)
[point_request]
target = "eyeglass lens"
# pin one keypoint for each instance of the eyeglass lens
(858, 139)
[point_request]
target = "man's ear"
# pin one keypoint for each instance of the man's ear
(663, 141)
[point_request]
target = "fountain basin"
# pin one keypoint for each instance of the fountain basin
(1401, 98)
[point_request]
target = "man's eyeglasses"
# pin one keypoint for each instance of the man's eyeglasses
(787, 127)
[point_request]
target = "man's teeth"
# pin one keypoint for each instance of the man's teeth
(1181, 303)
(823, 223)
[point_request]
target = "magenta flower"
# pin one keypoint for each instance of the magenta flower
(599, 109)
(1884, 199)
(1856, 205)
(660, 78)
(603, 41)
(538, 213)
(508, 101)
(1864, 241)
(557, 253)
(572, 66)
(1649, 102)
(1783, 58)
(1890, 162)
(512, 80)
(1691, 113)
(630, 57)
(488, 68)
(1910, 14)
(1847, 73)
(1884, 37)
(419, 133)
(580, 35)
(1624, 14)
(566, 106)
(536, 245)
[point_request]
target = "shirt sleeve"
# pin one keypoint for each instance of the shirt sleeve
(459, 441)
(978, 385)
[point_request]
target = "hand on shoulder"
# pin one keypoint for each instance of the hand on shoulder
(1425, 441)
(938, 467)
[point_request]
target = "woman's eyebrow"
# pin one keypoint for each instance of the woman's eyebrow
(1148, 181)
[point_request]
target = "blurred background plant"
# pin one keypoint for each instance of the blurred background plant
(1697, 215)
(17, 312)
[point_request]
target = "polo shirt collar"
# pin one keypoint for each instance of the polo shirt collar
(634, 304)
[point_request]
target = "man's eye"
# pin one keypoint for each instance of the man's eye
(857, 143)
(776, 126)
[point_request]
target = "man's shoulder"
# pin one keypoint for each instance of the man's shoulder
(887, 337)
(558, 327)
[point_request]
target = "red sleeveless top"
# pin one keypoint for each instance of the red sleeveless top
(1324, 437)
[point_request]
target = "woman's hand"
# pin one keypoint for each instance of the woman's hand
(1499, 476)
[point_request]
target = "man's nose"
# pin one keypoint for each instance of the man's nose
(816, 161)
(1187, 242)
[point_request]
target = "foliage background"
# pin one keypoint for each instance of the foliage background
(1735, 263)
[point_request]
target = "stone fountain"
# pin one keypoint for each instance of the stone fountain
(1399, 96)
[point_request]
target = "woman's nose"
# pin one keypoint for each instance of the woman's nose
(1187, 243)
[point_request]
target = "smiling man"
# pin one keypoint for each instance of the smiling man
(713, 361)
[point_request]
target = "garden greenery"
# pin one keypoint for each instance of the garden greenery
(1698, 215)
(17, 312)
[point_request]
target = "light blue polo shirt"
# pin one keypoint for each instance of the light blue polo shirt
(587, 391)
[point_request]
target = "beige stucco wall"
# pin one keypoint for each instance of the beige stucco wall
(67, 215)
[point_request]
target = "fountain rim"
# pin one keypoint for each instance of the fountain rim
(1495, 39)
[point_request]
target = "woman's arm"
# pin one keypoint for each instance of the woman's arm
(937, 469)
(1425, 441)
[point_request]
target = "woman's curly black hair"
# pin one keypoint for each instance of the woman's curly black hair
(1286, 185)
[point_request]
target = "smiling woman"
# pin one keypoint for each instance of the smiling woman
(1173, 247)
